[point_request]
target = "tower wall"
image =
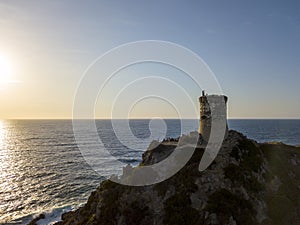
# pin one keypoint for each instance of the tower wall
(209, 104)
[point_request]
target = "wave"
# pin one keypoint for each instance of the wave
(51, 216)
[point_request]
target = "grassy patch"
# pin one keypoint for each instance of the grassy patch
(234, 173)
(225, 204)
(251, 156)
(135, 213)
(184, 180)
(235, 153)
(178, 211)
(243, 178)
(110, 206)
(283, 204)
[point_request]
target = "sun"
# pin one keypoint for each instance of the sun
(5, 70)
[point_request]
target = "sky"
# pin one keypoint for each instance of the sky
(252, 47)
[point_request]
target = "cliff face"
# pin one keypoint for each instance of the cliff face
(248, 183)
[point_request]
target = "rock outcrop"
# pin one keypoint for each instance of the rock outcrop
(248, 183)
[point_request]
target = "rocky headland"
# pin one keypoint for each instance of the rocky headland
(248, 183)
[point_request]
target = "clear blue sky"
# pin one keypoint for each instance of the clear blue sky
(253, 47)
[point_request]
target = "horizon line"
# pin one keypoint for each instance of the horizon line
(148, 118)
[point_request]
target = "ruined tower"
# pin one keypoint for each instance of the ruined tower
(212, 109)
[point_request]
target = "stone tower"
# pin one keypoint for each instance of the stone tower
(217, 105)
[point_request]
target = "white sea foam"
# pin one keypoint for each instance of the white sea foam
(54, 215)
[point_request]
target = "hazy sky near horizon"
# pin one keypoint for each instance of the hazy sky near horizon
(253, 48)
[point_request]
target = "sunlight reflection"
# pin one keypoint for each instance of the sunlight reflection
(2, 134)
(8, 173)
(3, 153)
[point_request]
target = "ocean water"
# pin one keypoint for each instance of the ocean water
(42, 169)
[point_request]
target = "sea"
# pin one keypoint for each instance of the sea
(43, 170)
